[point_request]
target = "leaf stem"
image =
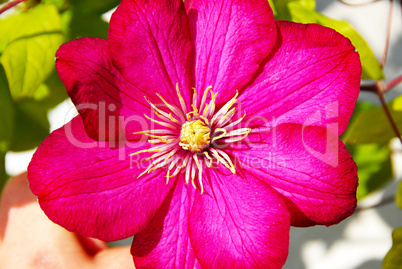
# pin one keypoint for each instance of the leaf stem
(369, 88)
(9, 5)
(385, 53)
(380, 92)
(393, 83)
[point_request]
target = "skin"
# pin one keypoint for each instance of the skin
(28, 239)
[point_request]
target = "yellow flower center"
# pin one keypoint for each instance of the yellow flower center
(185, 143)
(195, 136)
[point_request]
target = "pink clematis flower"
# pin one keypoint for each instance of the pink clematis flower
(205, 129)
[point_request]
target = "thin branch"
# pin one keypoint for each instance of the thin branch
(393, 83)
(358, 4)
(385, 201)
(369, 88)
(385, 53)
(380, 92)
(9, 5)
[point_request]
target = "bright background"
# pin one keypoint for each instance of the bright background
(361, 241)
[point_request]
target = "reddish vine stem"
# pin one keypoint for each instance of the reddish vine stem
(389, 86)
(385, 201)
(357, 4)
(9, 5)
(385, 53)
(393, 83)
(380, 92)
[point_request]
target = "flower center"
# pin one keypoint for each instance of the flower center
(189, 141)
(195, 136)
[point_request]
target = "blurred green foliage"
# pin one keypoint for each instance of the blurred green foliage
(398, 197)
(27, 54)
(372, 125)
(303, 11)
(393, 259)
(374, 167)
(372, 158)
(29, 84)
(30, 87)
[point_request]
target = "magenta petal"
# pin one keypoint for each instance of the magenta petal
(150, 44)
(309, 166)
(231, 39)
(165, 242)
(91, 189)
(105, 101)
(312, 77)
(240, 222)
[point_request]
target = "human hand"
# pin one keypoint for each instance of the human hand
(28, 239)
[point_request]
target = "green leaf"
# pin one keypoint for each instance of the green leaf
(95, 7)
(399, 196)
(393, 259)
(56, 92)
(31, 122)
(28, 44)
(60, 4)
(373, 126)
(6, 124)
(303, 11)
(397, 104)
(6, 113)
(374, 167)
(31, 125)
(87, 24)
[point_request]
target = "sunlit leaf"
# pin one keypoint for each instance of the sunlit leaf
(393, 259)
(373, 126)
(304, 11)
(374, 167)
(397, 104)
(28, 42)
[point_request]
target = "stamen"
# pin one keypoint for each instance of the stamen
(227, 117)
(143, 151)
(156, 131)
(161, 114)
(199, 166)
(188, 170)
(225, 108)
(237, 132)
(194, 98)
(168, 125)
(229, 126)
(190, 140)
(229, 163)
(172, 108)
(182, 104)
(193, 175)
(211, 107)
(219, 136)
(204, 97)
